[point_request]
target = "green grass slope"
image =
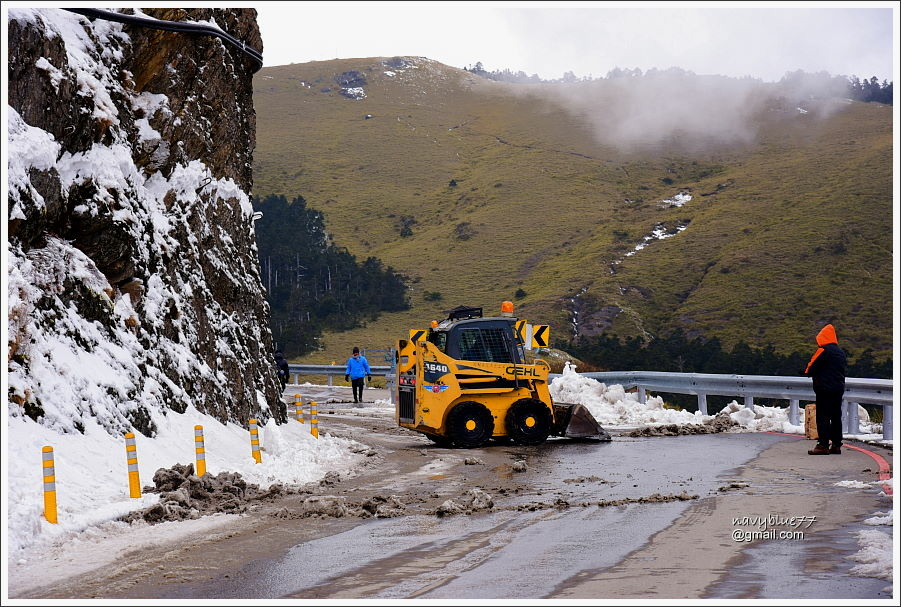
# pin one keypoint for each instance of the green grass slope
(500, 187)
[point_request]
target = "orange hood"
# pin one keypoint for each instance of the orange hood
(826, 336)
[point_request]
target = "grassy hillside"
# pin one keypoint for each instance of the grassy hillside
(475, 189)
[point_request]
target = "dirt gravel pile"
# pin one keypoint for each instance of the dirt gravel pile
(184, 495)
(585, 479)
(561, 503)
(721, 422)
(473, 500)
(734, 485)
(332, 506)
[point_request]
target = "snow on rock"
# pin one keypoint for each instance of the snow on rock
(35, 149)
(134, 281)
(354, 92)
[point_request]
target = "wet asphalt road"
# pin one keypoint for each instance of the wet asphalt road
(578, 549)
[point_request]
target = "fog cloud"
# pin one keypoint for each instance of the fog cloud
(687, 110)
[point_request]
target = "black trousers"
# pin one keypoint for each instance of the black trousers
(357, 386)
(829, 418)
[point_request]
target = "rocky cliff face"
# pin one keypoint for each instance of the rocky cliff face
(133, 277)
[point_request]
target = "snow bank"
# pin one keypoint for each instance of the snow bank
(876, 555)
(92, 478)
(613, 406)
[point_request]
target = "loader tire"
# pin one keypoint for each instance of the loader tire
(470, 424)
(528, 422)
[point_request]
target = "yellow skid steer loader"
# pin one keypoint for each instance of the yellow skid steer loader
(465, 381)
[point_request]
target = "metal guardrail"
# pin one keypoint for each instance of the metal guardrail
(879, 392)
(295, 371)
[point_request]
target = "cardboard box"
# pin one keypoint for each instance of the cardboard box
(810, 421)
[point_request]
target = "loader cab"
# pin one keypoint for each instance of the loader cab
(465, 335)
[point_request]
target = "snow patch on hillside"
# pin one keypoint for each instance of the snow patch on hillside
(678, 200)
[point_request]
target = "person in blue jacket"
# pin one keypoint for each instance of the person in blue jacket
(357, 369)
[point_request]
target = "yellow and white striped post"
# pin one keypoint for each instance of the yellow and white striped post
(255, 441)
(49, 484)
(131, 456)
(314, 419)
(199, 452)
(298, 408)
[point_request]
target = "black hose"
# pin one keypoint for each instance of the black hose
(172, 26)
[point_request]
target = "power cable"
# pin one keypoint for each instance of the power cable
(173, 26)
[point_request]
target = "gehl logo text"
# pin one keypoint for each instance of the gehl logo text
(531, 372)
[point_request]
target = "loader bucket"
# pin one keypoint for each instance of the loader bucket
(576, 421)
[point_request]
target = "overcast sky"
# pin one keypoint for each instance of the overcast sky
(762, 40)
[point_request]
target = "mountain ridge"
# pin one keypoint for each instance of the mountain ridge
(770, 218)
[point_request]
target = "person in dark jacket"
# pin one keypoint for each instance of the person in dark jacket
(828, 367)
(357, 369)
(281, 365)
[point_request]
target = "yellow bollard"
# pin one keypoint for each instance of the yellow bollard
(255, 441)
(49, 485)
(199, 451)
(131, 456)
(298, 408)
(314, 420)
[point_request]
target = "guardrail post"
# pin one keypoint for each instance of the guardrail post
(131, 458)
(255, 441)
(199, 451)
(49, 484)
(794, 412)
(298, 408)
(642, 395)
(329, 379)
(702, 403)
(887, 429)
(749, 402)
(853, 419)
(314, 419)
(845, 417)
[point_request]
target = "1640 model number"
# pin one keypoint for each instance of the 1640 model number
(436, 368)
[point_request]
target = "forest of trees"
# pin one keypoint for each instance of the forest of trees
(870, 90)
(851, 87)
(312, 284)
(676, 353)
